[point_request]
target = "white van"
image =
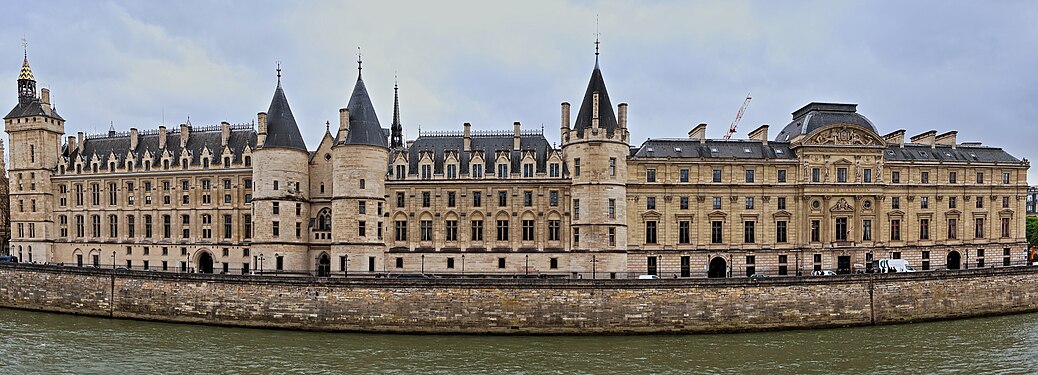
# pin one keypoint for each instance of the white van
(894, 265)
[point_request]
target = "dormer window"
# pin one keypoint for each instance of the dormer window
(502, 170)
(426, 171)
(527, 170)
(553, 170)
(477, 171)
(452, 171)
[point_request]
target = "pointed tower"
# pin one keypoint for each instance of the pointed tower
(596, 150)
(35, 130)
(361, 157)
(397, 138)
(281, 193)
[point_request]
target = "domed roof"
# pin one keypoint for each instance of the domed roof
(815, 116)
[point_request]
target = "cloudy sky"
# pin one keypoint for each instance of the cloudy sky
(914, 65)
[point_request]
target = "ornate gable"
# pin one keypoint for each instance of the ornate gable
(845, 135)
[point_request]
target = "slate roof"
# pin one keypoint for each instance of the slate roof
(282, 131)
(489, 144)
(103, 146)
(716, 149)
(961, 153)
(814, 116)
(33, 108)
(606, 116)
(364, 125)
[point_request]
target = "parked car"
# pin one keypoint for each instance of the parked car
(648, 277)
(823, 273)
(893, 265)
(8, 259)
(758, 276)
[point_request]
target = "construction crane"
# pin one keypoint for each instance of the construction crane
(738, 116)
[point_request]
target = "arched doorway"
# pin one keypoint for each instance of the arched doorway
(324, 265)
(205, 262)
(954, 260)
(718, 268)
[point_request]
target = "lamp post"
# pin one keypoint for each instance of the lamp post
(261, 263)
(527, 264)
(462, 264)
(113, 260)
(423, 264)
(594, 266)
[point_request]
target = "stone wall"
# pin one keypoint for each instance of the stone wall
(521, 306)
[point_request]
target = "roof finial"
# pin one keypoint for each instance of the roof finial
(25, 47)
(597, 42)
(359, 60)
(327, 126)
(279, 72)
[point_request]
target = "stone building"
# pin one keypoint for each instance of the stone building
(829, 192)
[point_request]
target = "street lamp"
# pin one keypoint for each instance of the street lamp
(113, 260)
(527, 264)
(462, 264)
(594, 266)
(261, 263)
(423, 264)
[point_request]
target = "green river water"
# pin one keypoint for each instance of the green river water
(34, 342)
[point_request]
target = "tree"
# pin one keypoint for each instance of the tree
(1032, 231)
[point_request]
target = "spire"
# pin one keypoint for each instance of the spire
(364, 126)
(592, 109)
(397, 138)
(282, 130)
(597, 42)
(26, 82)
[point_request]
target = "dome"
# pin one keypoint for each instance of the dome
(815, 116)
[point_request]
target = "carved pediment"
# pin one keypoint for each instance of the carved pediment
(717, 215)
(842, 206)
(1005, 212)
(782, 213)
(952, 213)
(845, 135)
(653, 214)
(896, 213)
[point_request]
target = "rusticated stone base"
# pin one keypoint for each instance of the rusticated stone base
(521, 306)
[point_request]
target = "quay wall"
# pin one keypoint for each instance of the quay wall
(521, 306)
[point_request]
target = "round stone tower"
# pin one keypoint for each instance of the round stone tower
(281, 202)
(361, 158)
(596, 150)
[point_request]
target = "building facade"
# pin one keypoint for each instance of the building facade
(829, 192)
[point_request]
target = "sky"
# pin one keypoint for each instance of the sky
(915, 65)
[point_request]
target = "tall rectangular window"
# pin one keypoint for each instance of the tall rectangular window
(895, 230)
(841, 229)
(650, 175)
(684, 232)
(781, 177)
(816, 175)
(1005, 227)
(866, 175)
(781, 231)
(650, 232)
(978, 229)
(866, 230)
(816, 231)
(716, 175)
(477, 230)
(554, 230)
(400, 230)
(612, 208)
(683, 175)
(612, 167)
(749, 232)
(924, 229)
(576, 167)
(749, 175)
(895, 177)
(716, 232)
(528, 232)
(426, 231)
(953, 229)
(502, 230)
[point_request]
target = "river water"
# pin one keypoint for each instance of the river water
(34, 342)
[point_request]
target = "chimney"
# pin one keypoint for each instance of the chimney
(594, 112)
(185, 132)
(71, 144)
(79, 141)
(926, 138)
(896, 137)
(162, 137)
(621, 114)
(261, 133)
(225, 133)
(133, 139)
(946, 139)
(344, 124)
(565, 121)
(468, 137)
(698, 132)
(45, 96)
(760, 134)
(515, 136)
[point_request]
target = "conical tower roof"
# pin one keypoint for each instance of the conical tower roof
(282, 130)
(606, 116)
(26, 72)
(364, 126)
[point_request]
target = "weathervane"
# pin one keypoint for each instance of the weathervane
(279, 71)
(597, 35)
(25, 46)
(359, 61)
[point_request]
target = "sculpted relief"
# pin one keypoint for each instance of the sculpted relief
(844, 136)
